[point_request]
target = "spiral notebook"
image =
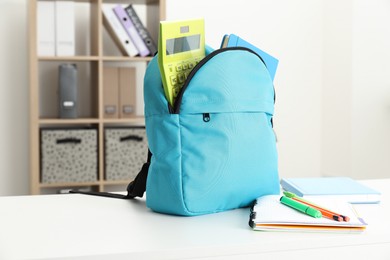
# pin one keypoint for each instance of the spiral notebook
(268, 214)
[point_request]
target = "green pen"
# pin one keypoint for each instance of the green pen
(290, 194)
(300, 207)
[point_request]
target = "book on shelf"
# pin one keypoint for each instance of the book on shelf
(141, 29)
(110, 92)
(127, 92)
(55, 28)
(65, 28)
(119, 89)
(117, 31)
(343, 188)
(46, 28)
(121, 13)
(269, 214)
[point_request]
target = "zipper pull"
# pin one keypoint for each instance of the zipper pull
(206, 117)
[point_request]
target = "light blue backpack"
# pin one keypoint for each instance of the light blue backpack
(214, 150)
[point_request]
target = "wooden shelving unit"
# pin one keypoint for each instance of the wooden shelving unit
(96, 55)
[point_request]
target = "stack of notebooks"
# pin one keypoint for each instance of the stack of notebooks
(269, 214)
(327, 194)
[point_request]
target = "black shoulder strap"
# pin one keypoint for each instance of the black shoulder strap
(136, 188)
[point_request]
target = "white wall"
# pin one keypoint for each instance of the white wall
(337, 87)
(370, 97)
(14, 115)
(292, 32)
(356, 89)
(333, 86)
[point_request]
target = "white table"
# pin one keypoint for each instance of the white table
(85, 227)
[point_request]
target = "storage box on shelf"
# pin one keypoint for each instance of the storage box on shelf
(126, 150)
(94, 50)
(68, 155)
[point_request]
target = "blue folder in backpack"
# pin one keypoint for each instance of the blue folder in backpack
(270, 61)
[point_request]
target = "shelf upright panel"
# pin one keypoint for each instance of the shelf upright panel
(95, 7)
(100, 127)
(162, 10)
(34, 100)
(99, 24)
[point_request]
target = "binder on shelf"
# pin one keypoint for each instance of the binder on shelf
(131, 30)
(110, 92)
(68, 91)
(65, 28)
(46, 28)
(141, 29)
(127, 93)
(117, 32)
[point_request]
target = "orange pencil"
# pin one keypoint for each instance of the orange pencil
(325, 212)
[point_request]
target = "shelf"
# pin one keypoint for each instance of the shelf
(95, 51)
(87, 88)
(59, 121)
(68, 58)
(68, 184)
(93, 58)
(121, 182)
(136, 2)
(135, 120)
(81, 1)
(83, 184)
(79, 121)
(119, 58)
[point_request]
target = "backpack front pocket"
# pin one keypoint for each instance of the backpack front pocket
(227, 161)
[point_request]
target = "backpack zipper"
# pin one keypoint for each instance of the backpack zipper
(177, 103)
(206, 117)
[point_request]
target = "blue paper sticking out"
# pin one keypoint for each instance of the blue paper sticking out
(271, 62)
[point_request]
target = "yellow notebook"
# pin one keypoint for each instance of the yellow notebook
(268, 214)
